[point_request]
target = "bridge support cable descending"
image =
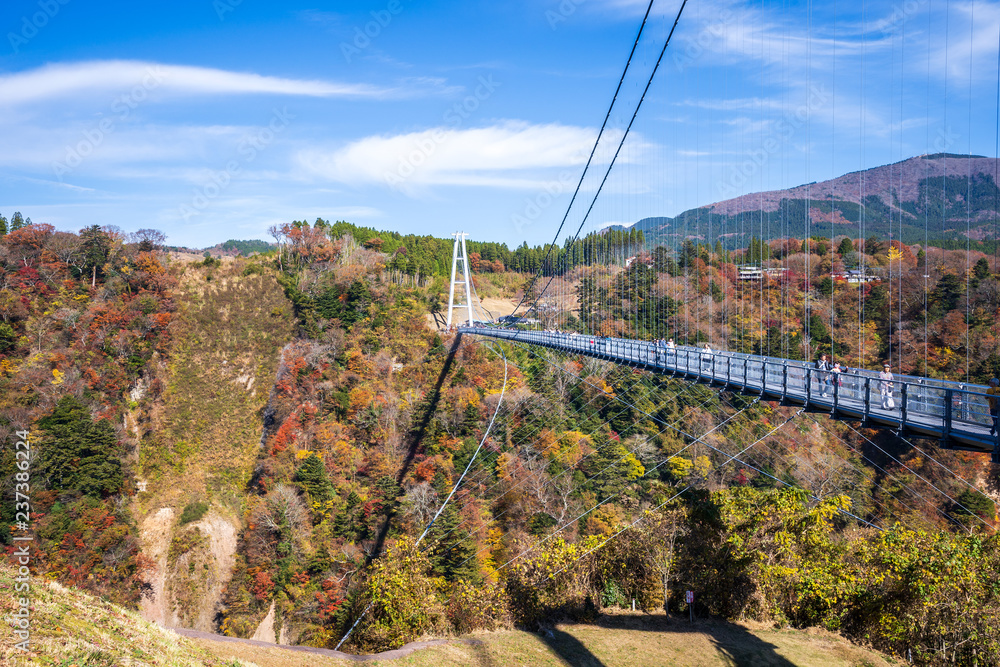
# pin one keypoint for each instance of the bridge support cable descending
(888, 475)
(921, 477)
(474, 454)
(455, 488)
(560, 474)
(949, 470)
(802, 463)
(915, 473)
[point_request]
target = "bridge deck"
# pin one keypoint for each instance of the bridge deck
(956, 414)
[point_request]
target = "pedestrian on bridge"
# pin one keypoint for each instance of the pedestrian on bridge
(823, 377)
(992, 395)
(885, 387)
(706, 357)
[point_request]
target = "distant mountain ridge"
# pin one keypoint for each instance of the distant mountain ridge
(940, 196)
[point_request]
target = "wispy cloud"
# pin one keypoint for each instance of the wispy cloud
(62, 80)
(500, 155)
(738, 104)
(970, 47)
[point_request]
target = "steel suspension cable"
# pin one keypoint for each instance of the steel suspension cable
(600, 133)
(485, 435)
(597, 194)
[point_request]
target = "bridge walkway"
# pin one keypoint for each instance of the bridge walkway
(955, 414)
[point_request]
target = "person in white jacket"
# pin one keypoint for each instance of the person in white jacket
(885, 387)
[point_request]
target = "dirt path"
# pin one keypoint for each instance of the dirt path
(385, 655)
(155, 533)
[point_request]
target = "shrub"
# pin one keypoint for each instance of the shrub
(478, 607)
(405, 601)
(193, 511)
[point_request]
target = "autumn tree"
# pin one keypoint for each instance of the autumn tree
(148, 240)
(96, 248)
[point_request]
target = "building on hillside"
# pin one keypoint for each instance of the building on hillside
(855, 277)
(514, 319)
(645, 259)
(753, 272)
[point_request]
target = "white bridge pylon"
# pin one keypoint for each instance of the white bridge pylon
(460, 252)
(461, 278)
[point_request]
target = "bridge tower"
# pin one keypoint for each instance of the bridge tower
(465, 281)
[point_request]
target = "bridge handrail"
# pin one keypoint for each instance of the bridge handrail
(913, 379)
(939, 405)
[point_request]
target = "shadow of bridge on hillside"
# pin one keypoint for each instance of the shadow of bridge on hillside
(732, 642)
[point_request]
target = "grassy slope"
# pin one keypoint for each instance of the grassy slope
(647, 644)
(73, 628)
(226, 341)
(205, 432)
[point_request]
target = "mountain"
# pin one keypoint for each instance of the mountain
(940, 196)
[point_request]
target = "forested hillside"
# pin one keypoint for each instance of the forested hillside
(81, 319)
(942, 197)
(302, 398)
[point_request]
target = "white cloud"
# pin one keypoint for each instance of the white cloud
(970, 46)
(61, 80)
(506, 155)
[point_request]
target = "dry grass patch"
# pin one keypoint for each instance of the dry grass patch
(621, 640)
(69, 627)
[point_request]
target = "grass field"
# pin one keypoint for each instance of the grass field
(70, 628)
(626, 641)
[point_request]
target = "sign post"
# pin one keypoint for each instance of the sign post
(689, 598)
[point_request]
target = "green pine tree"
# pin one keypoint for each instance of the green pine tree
(311, 476)
(79, 454)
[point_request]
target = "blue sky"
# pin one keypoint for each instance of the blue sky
(212, 120)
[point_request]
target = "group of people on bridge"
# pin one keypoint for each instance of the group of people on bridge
(830, 375)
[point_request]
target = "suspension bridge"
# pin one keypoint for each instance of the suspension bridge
(676, 283)
(955, 414)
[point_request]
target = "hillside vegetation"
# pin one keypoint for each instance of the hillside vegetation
(200, 444)
(73, 628)
(258, 446)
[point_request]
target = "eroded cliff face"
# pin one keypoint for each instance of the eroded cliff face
(201, 437)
